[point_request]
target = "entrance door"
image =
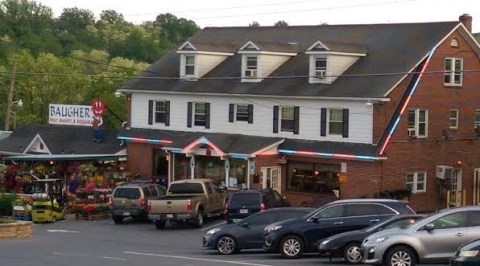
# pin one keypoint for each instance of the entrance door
(456, 188)
(271, 178)
(476, 186)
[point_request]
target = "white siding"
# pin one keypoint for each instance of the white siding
(205, 63)
(360, 116)
(268, 63)
(339, 63)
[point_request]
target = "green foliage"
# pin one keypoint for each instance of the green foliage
(6, 207)
(74, 58)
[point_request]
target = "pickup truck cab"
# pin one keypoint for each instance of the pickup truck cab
(188, 200)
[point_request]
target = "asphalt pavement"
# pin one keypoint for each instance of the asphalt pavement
(91, 243)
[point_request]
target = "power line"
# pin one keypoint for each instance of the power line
(438, 72)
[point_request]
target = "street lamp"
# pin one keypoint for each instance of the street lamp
(11, 112)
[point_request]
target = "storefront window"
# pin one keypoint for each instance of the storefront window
(182, 167)
(238, 173)
(312, 178)
(210, 167)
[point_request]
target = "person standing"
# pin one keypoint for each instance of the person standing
(73, 184)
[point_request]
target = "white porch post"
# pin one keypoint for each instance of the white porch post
(227, 171)
(249, 173)
(192, 167)
(171, 166)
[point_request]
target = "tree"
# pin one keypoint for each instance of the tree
(175, 30)
(281, 23)
(254, 24)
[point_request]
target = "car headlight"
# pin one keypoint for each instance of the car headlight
(274, 228)
(468, 253)
(380, 239)
(212, 231)
(324, 242)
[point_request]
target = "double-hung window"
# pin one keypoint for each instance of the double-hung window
(416, 182)
(320, 67)
(453, 71)
(477, 119)
(189, 65)
(200, 116)
(242, 113)
(287, 119)
(251, 67)
(160, 111)
(453, 119)
(418, 123)
(335, 122)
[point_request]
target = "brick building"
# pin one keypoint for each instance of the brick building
(316, 112)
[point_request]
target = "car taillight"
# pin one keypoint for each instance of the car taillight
(149, 206)
(262, 207)
(189, 205)
(143, 202)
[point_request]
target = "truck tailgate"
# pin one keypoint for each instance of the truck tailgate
(171, 204)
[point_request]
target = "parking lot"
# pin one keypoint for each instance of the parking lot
(134, 243)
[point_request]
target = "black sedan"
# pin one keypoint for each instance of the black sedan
(248, 233)
(347, 244)
(468, 254)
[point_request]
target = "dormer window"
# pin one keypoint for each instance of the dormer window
(188, 65)
(320, 67)
(251, 67)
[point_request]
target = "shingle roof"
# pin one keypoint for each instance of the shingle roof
(227, 143)
(391, 48)
(330, 147)
(61, 139)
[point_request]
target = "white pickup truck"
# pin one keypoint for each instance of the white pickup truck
(189, 200)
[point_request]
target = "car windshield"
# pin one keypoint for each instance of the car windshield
(127, 193)
(245, 199)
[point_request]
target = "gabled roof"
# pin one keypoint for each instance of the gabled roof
(277, 47)
(207, 47)
(61, 139)
(392, 48)
(331, 46)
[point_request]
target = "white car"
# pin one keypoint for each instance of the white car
(433, 239)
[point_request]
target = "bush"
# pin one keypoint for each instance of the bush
(6, 201)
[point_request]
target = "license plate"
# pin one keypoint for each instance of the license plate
(243, 210)
(169, 215)
(126, 214)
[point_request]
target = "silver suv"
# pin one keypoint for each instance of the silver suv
(433, 239)
(131, 200)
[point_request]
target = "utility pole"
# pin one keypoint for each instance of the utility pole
(10, 96)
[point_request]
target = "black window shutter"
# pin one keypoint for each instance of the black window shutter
(167, 113)
(345, 123)
(189, 114)
(323, 122)
(275, 119)
(296, 120)
(231, 111)
(150, 112)
(207, 115)
(250, 113)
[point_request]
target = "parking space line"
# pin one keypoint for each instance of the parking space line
(112, 258)
(213, 226)
(192, 258)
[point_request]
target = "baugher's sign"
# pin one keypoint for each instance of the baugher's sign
(62, 114)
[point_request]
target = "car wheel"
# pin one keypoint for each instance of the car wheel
(198, 222)
(117, 219)
(226, 245)
(352, 253)
(400, 256)
(292, 247)
(160, 224)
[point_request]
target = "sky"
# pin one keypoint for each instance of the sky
(215, 13)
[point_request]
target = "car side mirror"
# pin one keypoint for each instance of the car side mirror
(429, 227)
(315, 219)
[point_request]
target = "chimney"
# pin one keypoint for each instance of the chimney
(466, 19)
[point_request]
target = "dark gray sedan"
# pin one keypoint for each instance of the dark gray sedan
(248, 233)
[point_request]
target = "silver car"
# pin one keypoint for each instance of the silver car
(433, 239)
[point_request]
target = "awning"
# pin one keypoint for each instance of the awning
(65, 157)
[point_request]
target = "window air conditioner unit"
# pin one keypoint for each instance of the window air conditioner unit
(320, 74)
(444, 172)
(411, 132)
(251, 73)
